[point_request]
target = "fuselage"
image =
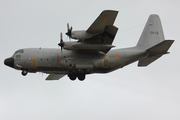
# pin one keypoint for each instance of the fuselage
(66, 61)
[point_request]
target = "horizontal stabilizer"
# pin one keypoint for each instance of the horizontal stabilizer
(161, 48)
(156, 52)
(146, 61)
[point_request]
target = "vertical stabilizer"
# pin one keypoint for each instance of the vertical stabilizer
(152, 33)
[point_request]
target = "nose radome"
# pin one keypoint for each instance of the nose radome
(9, 62)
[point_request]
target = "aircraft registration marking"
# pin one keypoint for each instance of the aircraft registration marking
(117, 56)
(154, 32)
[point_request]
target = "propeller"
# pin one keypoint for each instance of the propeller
(69, 30)
(61, 44)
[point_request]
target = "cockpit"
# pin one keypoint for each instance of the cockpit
(17, 55)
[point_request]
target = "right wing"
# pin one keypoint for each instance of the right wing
(106, 18)
(55, 76)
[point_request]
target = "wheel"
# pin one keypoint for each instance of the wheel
(24, 72)
(81, 77)
(72, 76)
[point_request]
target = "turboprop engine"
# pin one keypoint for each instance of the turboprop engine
(80, 35)
(86, 46)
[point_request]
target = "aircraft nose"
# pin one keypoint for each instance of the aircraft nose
(9, 62)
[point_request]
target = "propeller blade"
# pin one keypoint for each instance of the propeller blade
(69, 30)
(67, 26)
(61, 35)
(61, 44)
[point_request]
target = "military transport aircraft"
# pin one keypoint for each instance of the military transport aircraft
(91, 52)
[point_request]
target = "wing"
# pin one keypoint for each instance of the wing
(106, 18)
(55, 76)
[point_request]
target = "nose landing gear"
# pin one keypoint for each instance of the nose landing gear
(24, 72)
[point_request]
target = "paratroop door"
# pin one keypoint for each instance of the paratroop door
(106, 61)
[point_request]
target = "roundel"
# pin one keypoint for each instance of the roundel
(117, 56)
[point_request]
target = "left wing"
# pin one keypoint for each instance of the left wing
(55, 76)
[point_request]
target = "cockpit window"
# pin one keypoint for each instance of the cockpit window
(18, 56)
(18, 51)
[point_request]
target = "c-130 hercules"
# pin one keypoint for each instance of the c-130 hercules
(91, 52)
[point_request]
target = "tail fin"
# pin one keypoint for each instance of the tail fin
(152, 41)
(152, 33)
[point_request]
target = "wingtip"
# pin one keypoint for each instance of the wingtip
(110, 11)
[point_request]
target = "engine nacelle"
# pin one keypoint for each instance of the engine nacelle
(86, 46)
(81, 35)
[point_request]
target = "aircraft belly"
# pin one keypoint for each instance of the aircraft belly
(55, 70)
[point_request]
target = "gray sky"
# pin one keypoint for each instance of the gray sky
(130, 93)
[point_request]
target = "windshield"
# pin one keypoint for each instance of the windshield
(18, 51)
